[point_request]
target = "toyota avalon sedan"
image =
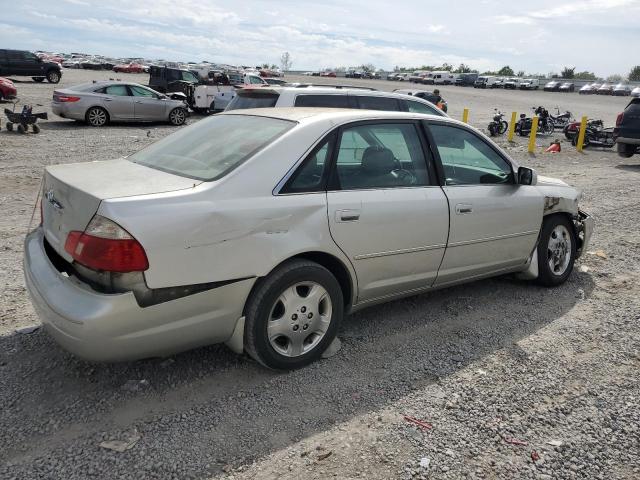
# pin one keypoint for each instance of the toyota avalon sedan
(264, 235)
(99, 103)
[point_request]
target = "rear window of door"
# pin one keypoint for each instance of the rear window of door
(117, 90)
(327, 101)
(142, 92)
(380, 156)
(377, 103)
(467, 159)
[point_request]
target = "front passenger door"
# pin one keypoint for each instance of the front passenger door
(494, 221)
(147, 105)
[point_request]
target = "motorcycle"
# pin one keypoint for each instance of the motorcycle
(497, 126)
(545, 126)
(572, 128)
(596, 136)
(560, 120)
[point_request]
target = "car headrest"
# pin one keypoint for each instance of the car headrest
(378, 160)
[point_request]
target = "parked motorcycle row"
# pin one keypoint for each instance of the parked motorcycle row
(596, 134)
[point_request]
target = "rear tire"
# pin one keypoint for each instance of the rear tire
(9, 126)
(53, 76)
(293, 315)
(97, 117)
(556, 250)
(21, 128)
(627, 151)
(35, 128)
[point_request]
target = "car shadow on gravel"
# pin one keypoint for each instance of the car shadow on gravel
(629, 168)
(64, 124)
(238, 410)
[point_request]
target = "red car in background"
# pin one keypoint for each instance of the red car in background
(129, 68)
(8, 90)
(328, 74)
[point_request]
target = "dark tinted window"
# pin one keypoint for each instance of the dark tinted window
(329, 101)
(378, 103)
(381, 156)
(253, 100)
(467, 159)
(311, 175)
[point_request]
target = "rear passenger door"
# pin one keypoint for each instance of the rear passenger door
(385, 210)
(118, 102)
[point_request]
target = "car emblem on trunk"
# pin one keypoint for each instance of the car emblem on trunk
(52, 199)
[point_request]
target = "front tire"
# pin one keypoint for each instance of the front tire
(97, 117)
(503, 126)
(177, 116)
(53, 76)
(556, 250)
(293, 315)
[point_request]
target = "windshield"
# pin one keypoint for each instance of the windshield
(211, 148)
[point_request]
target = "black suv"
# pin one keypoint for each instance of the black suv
(26, 64)
(627, 130)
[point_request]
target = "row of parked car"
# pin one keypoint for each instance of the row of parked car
(620, 89)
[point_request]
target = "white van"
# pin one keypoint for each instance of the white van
(530, 84)
(440, 78)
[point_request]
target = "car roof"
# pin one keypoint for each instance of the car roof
(312, 114)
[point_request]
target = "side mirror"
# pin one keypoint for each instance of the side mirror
(527, 176)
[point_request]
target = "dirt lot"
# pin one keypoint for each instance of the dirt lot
(516, 381)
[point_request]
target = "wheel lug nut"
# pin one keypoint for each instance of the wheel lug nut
(294, 316)
(303, 309)
(305, 326)
(295, 328)
(310, 315)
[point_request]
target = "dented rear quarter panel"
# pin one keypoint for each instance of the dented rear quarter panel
(211, 233)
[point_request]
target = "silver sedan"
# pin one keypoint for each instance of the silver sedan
(262, 228)
(101, 102)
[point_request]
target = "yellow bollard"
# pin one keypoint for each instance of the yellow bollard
(532, 135)
(465, 115)
(512, 126)
(583, 129)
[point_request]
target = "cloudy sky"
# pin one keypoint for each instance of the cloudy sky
(539, 37)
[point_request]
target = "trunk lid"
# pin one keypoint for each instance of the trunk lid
(72, 193)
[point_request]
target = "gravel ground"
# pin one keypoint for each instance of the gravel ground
(508, 380)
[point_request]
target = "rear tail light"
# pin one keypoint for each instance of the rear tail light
(619, 119)
(105, 245)
(65, 98)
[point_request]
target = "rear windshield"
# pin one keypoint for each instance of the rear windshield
(211, 148)
(253, 100)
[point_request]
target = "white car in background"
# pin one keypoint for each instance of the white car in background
(266, 233)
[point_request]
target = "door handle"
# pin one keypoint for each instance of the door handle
(464, 208)
(108, 99)
(138, 101)
(347, 215)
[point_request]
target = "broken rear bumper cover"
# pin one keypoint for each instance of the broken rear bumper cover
(113, 327)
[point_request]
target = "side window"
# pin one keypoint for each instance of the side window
(417, 107)
(311, 175)
(327, 101)
(378, 103)
(118, 90)
(142, 92)
(467, 159)
(381, 156)
(255, 80)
